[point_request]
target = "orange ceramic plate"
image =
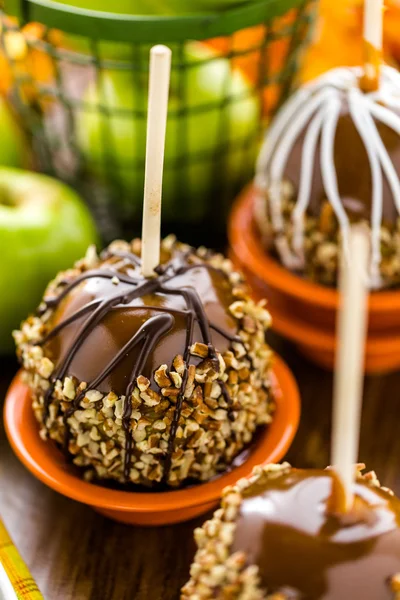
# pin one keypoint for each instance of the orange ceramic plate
(48, 464)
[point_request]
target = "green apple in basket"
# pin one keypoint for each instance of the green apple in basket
(44, 227)
(211, 107)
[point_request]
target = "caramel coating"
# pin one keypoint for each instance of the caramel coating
(283, 535)
(286, 529)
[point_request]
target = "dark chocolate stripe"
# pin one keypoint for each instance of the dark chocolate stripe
(101, 273)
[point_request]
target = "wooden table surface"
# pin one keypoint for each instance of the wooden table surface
(77, 554)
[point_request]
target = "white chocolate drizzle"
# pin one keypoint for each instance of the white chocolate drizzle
(315, 110)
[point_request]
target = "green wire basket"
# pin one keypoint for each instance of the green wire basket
(87, 116)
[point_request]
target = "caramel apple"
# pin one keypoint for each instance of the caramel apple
(283, 535)
(152, 381)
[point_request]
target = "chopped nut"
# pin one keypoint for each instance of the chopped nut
(143, 383)
(216, 390)
(150, 397)
(327, 218)
(93, 447)
(249, 324)
(94, 434)
(110, 400)
(244, 373)
(161, 377)
(45, 368)
(112, 454)
(220, 414)
(69, 388)
(170, 392)
(191, 426)
(177, 379)
(237, 309)
(190, 381)
(233, 377)
(91, 258)
(83, 439)
(211, 403)
(119, 408)
(199, 349)
(326, 252)
(240, 350)
(154, 440)
(139, 435)
(93, 396)
(134, 474)
(169, 242)
(179, 364)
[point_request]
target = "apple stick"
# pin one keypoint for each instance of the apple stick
(373, 26)
(349, 370)
(160, 69)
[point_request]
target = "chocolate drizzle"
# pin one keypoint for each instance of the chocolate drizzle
(146, 337)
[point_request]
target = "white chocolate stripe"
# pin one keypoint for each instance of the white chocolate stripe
(360, 117)
(306, 178)
(328, 171)
(280, 123)
(392, 75)
(385, 116)
(279, 160)
(386, 162)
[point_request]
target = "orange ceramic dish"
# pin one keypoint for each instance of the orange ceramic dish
(303, 311)
(49, 465)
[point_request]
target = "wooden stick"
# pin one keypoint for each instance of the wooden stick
(373, 27)
(160, 69)
(351, 333)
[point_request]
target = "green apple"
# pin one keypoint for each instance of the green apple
(200, 121)
(13, 147)
(44, 227)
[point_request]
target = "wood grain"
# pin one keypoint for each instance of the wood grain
(76, 554)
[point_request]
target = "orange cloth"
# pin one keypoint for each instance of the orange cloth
(22, 581)
(338, 36)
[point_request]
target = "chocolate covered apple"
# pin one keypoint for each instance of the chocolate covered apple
(282, 535)
(331, 159)
(156, 380)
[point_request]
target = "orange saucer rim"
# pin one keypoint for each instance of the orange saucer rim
(246, 245)
(299, 331)
(47, 463)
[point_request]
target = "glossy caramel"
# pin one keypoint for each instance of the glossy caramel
(285, 528)
(120, 324)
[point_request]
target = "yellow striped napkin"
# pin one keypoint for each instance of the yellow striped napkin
(24, 585)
